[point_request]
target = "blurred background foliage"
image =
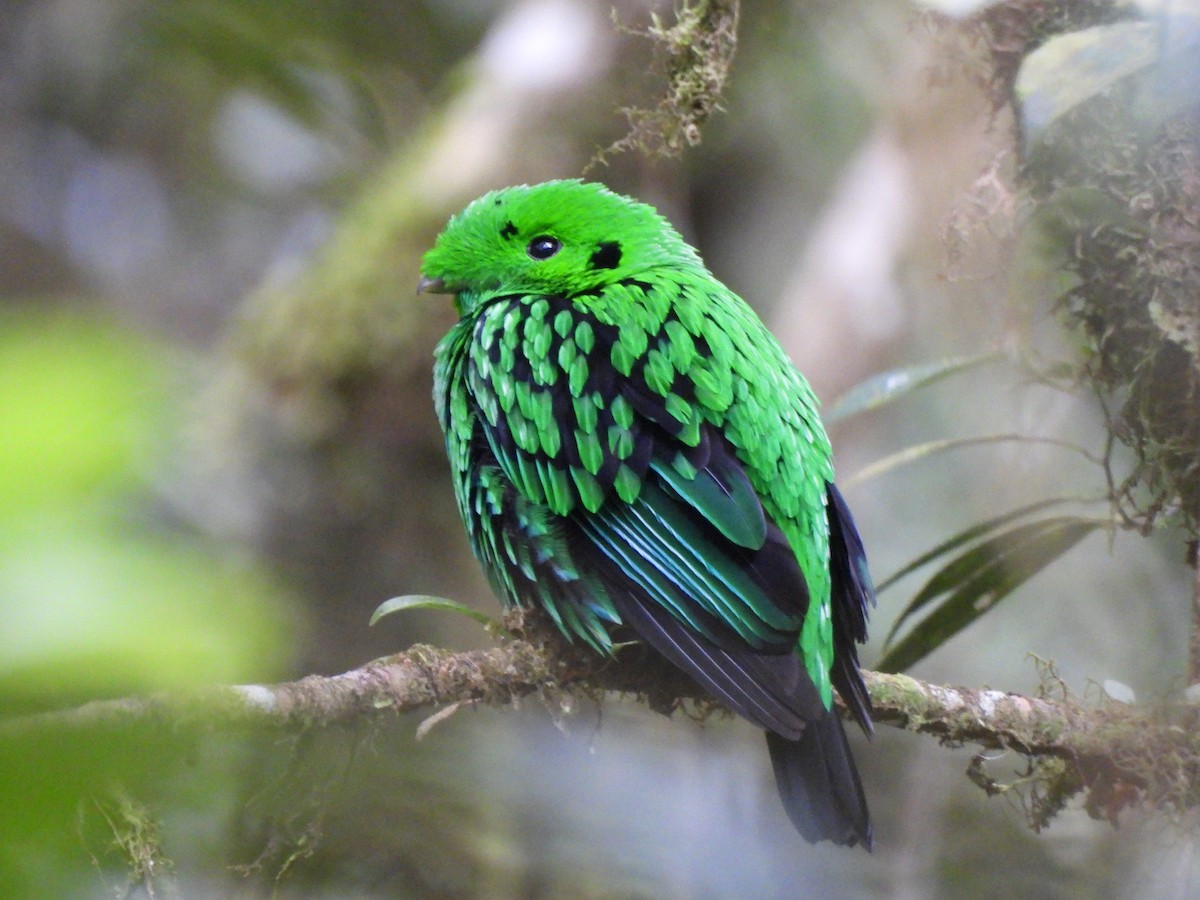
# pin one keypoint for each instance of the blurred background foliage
(219, 454)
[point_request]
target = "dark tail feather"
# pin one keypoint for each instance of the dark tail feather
(819, 784)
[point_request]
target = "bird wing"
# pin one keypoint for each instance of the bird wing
(727, 616)
(632, 504)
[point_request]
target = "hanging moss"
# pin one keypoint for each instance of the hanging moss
(695, 56)
(1125, 195)
(1112, 184)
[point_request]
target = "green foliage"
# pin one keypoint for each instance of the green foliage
(441, 604)
(97, 599)
(974, 581)
(78, 397)
(991, 558)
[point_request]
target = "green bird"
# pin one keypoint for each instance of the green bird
(632, 451)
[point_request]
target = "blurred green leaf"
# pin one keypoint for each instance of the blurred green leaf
(965, 537)
(425, 601)
(92, 610)
(975, 581)
(885, 387)
(97, 597)
(79, 398)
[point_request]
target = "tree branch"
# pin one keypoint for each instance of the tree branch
(1118, 754)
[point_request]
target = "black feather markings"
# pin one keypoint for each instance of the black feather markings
(819, 784)
(606, 256)
(853, 593)
(772, 691)
(652, 405)
(644, 286)
(653, 428)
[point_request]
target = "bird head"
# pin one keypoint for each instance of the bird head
(557, 238)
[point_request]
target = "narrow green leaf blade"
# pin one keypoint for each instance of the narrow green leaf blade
(976, 581)
(970, 534)
(978, 559)
(885, 387)
(425, 601)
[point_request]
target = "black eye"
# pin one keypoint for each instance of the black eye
(543, 246)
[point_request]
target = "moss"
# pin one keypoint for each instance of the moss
(1136, 303)
(695, 56)
(899, 692)
(1110, 191)
(136, 836)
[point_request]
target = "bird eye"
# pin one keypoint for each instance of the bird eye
(543, 247)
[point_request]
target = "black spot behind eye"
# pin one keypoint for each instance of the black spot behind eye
(543, 247)
(607, 256)
(509, 230)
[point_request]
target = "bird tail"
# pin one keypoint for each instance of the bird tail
(819, 784)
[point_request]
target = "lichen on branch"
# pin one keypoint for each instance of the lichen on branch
(695, 56)
(1116, 755)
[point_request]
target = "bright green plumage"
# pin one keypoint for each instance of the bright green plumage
(631, 446)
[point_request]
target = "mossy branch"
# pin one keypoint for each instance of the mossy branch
(695, 56)
(1118, 755)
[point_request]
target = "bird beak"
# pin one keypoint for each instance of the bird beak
(432, 286)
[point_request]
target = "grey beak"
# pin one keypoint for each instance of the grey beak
(432, 286)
